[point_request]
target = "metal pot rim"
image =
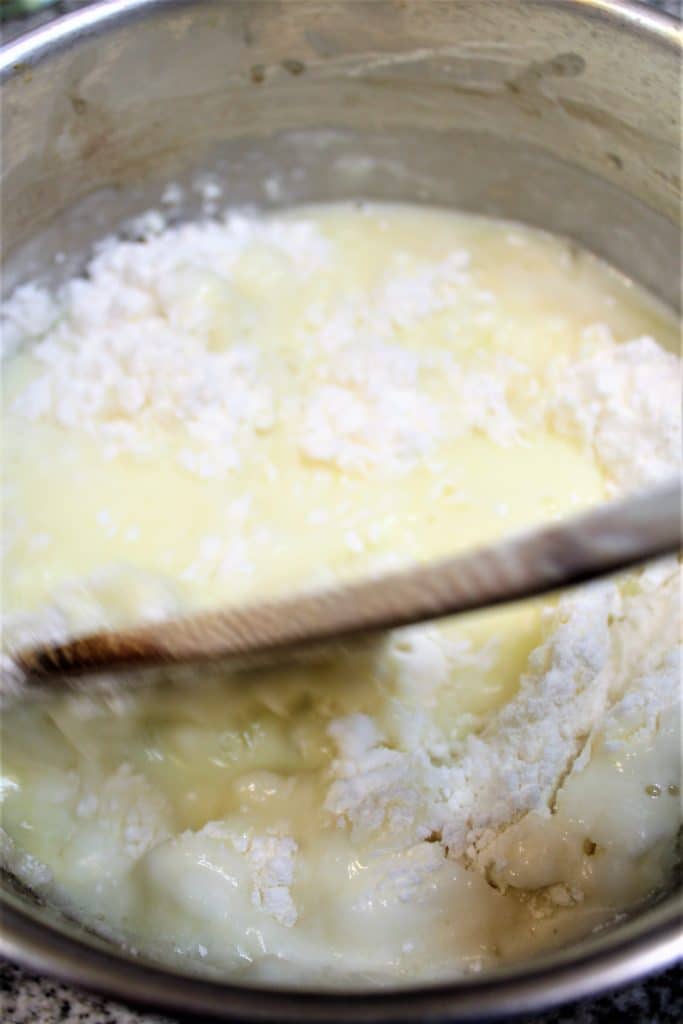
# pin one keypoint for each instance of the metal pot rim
(649, 942)
(54, 36)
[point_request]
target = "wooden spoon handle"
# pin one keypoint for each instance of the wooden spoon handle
(613, 537)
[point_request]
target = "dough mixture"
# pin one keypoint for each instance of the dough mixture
(246, 407)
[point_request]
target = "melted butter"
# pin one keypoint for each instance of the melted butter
(544, 297)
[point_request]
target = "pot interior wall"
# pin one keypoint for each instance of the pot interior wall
(540, 112)
(560, 115)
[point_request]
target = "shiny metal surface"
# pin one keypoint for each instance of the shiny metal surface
(562, 113)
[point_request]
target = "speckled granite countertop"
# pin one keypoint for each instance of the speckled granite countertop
(27, 999)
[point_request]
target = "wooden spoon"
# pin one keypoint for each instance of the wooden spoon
(603, 541)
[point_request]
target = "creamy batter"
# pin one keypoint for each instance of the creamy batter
(229, 410)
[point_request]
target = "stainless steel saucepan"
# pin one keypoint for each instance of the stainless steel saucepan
(561, 113)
